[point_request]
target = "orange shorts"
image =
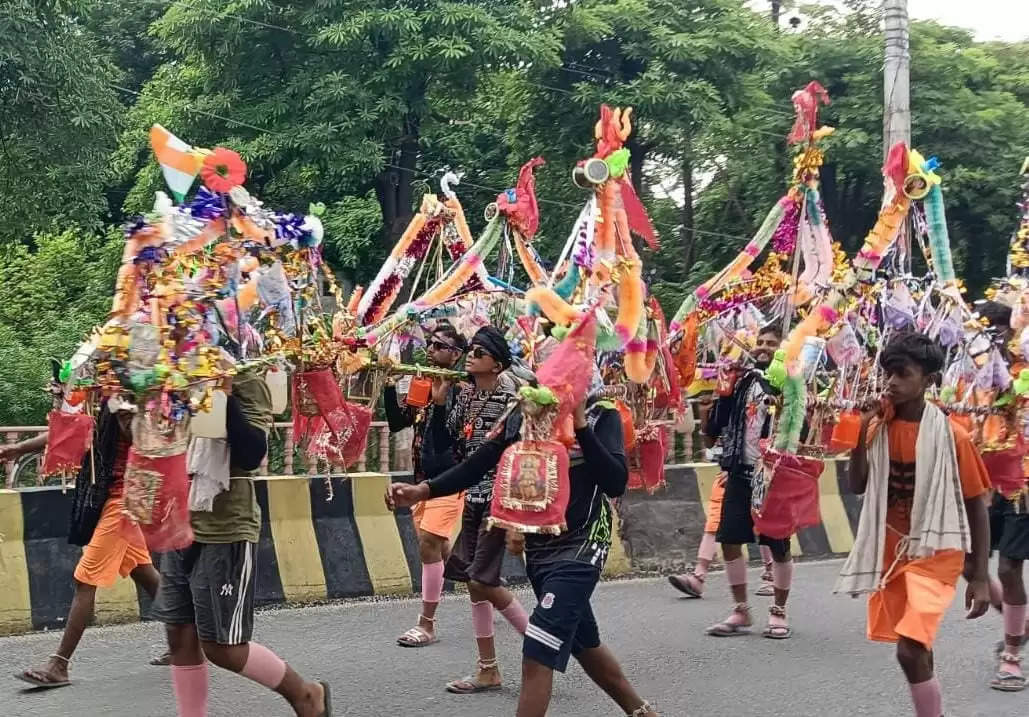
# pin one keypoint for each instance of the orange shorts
(911, 605)
(116, 549)
(439, 516)
(714, 504)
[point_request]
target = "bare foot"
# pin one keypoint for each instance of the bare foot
(313, 702)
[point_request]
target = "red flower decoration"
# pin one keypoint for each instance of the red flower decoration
(222, 170)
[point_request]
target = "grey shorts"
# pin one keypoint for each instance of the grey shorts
(210, 585)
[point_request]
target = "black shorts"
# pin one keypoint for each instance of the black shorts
(1009, 528)
(736, 526)
(210, 585)
(562, 623)
(478, 553)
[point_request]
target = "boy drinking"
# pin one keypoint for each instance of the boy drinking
(924, 519)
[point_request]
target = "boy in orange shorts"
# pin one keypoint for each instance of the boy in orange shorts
(114, 546)
(436, 519)
(924, 520)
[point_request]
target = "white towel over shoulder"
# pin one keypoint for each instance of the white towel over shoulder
(938, 519)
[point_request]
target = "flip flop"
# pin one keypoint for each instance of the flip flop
(683, 586)
(456, 687)
(328, 699)
(766, 590)
(39, 684)
(728, 629)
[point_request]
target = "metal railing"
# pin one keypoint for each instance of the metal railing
(384, 453)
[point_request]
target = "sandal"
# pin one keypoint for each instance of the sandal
(1009, 681)
(417, 636)
(732, 629)
(327, 698)
(470, 684)
(778, 632)
(41, 679)
(690, 583)
(1002, 645)
(642, 711)
(162, 661)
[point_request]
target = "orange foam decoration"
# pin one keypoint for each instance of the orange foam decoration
(552, 305)
(355, 298)
(630, 301)
(460, 222)
(536, 273)
(400, 249)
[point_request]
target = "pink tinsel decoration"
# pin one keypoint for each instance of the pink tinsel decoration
(784, 240)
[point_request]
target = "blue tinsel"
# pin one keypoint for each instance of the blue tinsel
(151, 254)
(290, 227)
(205, 205)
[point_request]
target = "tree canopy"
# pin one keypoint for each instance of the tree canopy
(361, 105)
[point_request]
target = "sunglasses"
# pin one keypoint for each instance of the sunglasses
(441, 346)
(479, 352)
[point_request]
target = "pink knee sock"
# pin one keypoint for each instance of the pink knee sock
(190, 685)
(482, 618)
(264, 667)
(766, 554)
(516, 615)
(782, 575)
(736, 571)
(928, 698)
(705, 554)
(1014, 619)
(432, 581)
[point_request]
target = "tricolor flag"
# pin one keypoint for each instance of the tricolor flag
(179, 162)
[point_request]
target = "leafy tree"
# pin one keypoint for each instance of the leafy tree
(51, 295)
(59, 121)
(967, 102)
(329, 99)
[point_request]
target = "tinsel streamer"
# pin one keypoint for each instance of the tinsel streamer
(469, 264)
(882, 235)
(791, 420)
(784, 239)
(1018, 253)
(939, 239)
(386, 293)
(738, 265)
(375, 292)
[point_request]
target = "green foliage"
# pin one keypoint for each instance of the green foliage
(59, 119)
(360, 104)
(51, 295)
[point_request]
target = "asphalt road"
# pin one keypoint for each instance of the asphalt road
(828, 668)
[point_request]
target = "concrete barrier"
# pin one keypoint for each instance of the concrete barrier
(661, 532)
(313, 549)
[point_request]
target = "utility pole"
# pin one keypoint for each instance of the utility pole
(896, 76)
(776, 11)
